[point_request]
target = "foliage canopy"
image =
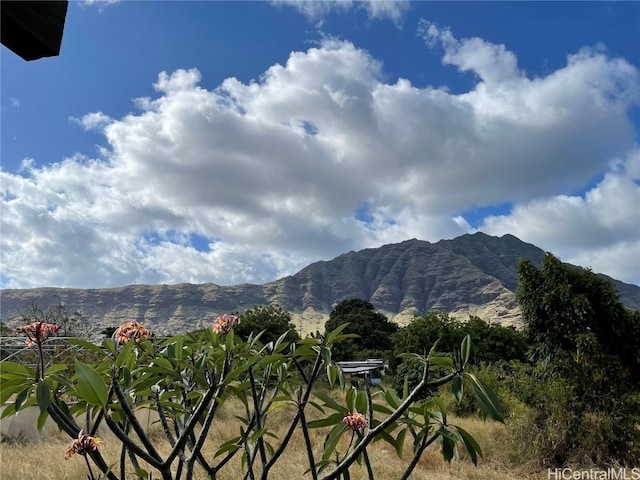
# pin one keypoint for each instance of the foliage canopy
(373, 329)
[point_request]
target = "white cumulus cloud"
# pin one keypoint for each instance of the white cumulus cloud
(315, 10)
(322, 156)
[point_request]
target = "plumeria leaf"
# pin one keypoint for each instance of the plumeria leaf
(142, 473)
(10, 367)
(21, 397)
(10, 387)
(332, 373)
(43, 395)
(90, 387)
(470, 444)
(332, 440)
(87, 345)
(331, 337)
(126, 351)
(441, 362)
(448, 447)
(351, 399)
(325, 422)
(400, 442)
(465, 350)
(8, 410)
(486, 399)
(392, 398)
(330, 402)
(457, 388)
(361, 402)
(42, 419)
(55, 369)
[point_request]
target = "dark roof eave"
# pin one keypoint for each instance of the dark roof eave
(33, 29)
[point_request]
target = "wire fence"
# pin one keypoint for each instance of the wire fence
(55, 349)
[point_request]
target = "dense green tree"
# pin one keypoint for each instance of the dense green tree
(586, 342)
(491, 342)
(272, 319)
(561, 304)
(374, 331)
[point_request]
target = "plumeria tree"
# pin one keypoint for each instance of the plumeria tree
(187, 378)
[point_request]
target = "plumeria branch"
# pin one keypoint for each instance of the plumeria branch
(348, 460)
(294, 423)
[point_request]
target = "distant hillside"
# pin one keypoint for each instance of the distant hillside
(472, 274)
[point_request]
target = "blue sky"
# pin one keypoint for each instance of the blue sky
(233, 142)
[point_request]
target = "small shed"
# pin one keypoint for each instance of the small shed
(370, 371)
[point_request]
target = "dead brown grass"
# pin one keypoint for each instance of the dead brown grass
(45, 460)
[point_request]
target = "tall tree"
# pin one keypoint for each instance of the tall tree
(272, 319)
(374, 331)
(583, 337)
(566, 307)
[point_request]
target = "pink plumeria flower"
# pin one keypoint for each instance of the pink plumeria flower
(224, 323)
(355, 421)
(38, 332)
(82, 445)
(131, 331)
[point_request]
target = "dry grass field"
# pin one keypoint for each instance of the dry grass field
(45, 460)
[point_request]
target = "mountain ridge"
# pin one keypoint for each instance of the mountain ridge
(472, 274)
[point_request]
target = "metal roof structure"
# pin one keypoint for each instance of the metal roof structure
(33, 29)
(355, 367)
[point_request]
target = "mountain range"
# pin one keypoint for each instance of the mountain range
(474, 274)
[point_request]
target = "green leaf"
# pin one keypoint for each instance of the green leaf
(361, 402)
(126, 351)
(321, 465)
(412, 356)
(332, 440)
(334, 419)
(382, 409)
(142, 473)
(331, 337)
(42, 419)
(440, 405)
(400, 442)
(448, 446)
(55, 369)
(8, 410)
(330, 402)
(10, 387)
(332, 373)
(43, 395)
(457, 388)
(441, 362)
(465, 350)
(10, 367)
(228, 342)
(351, 399)
(179, 342)
(21, 397)
(61, 380)
(470, 444)
(325, 353)
(486, 399)
(90, 387)
(392, 398)
(433, 349)
(87, 345)
(163, 363)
